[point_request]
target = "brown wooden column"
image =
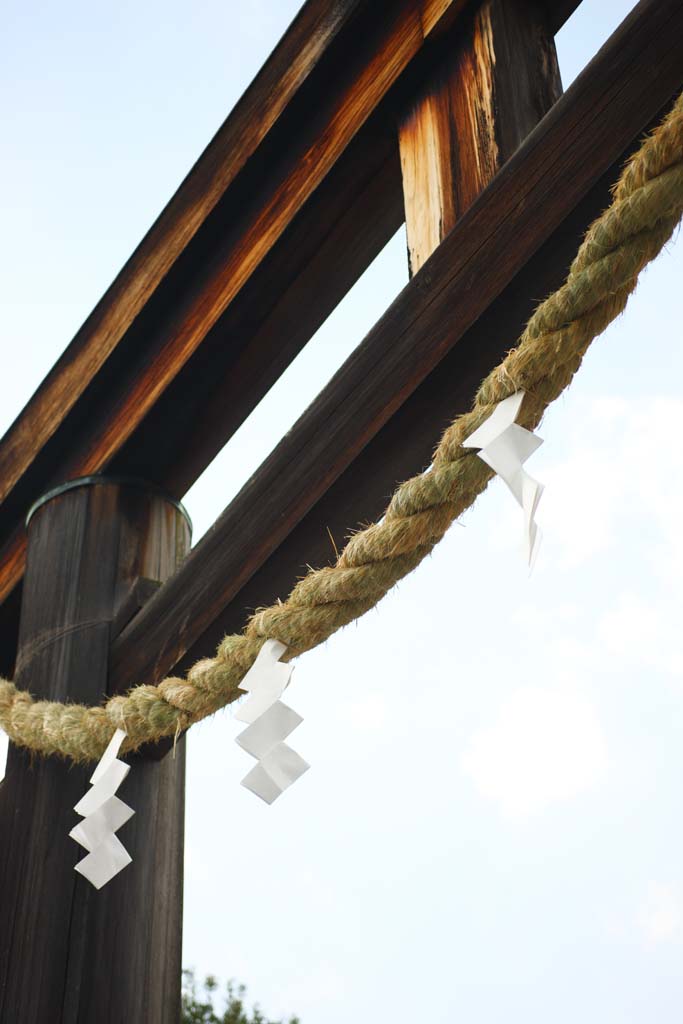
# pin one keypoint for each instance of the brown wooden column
(496, 79)
(70, 954)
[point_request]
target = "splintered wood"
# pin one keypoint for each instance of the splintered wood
(495, 81)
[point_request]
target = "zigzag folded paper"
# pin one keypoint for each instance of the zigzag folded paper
(505, 447)
(269, 723)
(103, 814)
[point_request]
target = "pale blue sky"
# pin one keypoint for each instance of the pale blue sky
(490, 830)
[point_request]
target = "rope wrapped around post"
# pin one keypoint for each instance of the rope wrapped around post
(647, 205)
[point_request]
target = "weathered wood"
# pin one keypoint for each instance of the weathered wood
(69, 953)
(290, 202)
(183, 302)
(588, 129)
(290, 66)
(139, 593)
(472, 113)
(404, 445)
(286, 300)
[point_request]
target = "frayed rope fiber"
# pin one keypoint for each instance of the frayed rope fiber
(647, 205)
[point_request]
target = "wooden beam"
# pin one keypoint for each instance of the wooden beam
(487, 92)
(292, 63)
(404, 445)
(225, 220)
(88, 545)
(183, 345)
(287, 299)
(589, 129)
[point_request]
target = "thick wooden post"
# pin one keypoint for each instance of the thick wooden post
(70, 954)
(497, 79)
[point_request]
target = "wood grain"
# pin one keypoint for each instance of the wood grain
(330, 94)
(588, 129)
(498, 79)
(404, 445)
(293, 292)
(300, 52)
(69, 953)
(308, 154)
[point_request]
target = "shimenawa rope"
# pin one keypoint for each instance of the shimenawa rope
(647, 205)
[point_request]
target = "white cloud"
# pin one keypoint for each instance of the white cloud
(660, 918)
(547, 745)
(308, 991)
(580, 505)
(639, 632)
(624, 473)
(197, 866)
(369, 712)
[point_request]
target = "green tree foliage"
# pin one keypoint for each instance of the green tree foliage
(199, 1004)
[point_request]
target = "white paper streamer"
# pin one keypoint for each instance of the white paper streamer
(505, 447)
(103, 814)
(269, 723)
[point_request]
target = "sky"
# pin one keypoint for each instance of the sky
(490, 829)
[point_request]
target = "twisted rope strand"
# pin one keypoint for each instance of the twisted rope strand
(647, 205)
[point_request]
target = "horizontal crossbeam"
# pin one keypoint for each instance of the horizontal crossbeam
(499, 252)
(289, 204)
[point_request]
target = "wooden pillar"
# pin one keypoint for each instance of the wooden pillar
(496, 79)
(70, 954)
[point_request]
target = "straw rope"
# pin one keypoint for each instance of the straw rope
(647, 205)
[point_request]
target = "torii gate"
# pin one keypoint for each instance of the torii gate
(445, 113)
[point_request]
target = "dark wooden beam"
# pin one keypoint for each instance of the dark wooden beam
(489, 89)
(286, 300)
(234, 209)
(300, 53)
(67, 951)
(404, 446)
(592, 125)
(295, 196)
